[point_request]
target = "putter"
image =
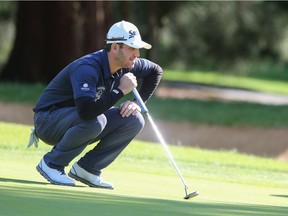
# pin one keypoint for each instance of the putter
(161, 139)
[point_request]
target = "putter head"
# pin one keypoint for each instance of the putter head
(193, 194)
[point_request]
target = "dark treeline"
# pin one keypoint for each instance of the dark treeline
(184, 35)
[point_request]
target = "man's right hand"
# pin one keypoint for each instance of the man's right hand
(127, 83)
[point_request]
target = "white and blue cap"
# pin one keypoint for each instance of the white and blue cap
(126, 33)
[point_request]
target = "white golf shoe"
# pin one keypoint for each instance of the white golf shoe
(54, 176)
(80, 174)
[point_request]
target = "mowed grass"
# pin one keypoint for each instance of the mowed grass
(229, 183)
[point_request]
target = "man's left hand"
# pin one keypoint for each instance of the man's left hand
(129, 108)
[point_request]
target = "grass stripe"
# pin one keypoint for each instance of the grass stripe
(145, 182)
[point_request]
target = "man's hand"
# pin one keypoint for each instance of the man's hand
(129, 108)
(127, 83)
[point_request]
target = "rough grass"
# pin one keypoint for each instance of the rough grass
(219, 113)
(208, 112)
(227, 80)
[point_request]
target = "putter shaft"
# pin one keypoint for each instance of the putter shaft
(162, 141)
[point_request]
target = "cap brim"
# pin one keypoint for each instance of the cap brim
(138, 44)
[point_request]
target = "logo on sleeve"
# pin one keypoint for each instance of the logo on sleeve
(85, 87)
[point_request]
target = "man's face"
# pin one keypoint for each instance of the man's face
(126, 56)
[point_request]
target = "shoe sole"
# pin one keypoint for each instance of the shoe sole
(38, 168)
(84, 181)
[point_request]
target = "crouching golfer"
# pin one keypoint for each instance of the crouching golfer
(76, 108)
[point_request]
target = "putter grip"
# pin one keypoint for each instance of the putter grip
(140, 101)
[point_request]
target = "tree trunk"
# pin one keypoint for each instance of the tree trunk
(49, 35)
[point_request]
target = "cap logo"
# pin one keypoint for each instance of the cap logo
(132, 34)
(117, 39)
(126, 33)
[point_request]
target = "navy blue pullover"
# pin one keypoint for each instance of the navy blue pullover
(88, 84)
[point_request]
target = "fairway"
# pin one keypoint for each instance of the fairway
(145, 183)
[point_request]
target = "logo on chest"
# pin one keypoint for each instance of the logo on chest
(99, 91)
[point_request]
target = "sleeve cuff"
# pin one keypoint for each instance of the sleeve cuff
(117, 92)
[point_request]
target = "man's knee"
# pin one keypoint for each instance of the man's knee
(138, 122)
(102, 120)
(95, 126)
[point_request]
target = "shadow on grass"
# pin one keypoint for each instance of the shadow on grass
(280, 195)
(23, 181)
(40, 199)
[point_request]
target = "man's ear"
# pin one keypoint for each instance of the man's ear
(114, 46)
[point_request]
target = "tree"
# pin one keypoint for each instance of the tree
(51, 34)
(223, 36)
(150, 16)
